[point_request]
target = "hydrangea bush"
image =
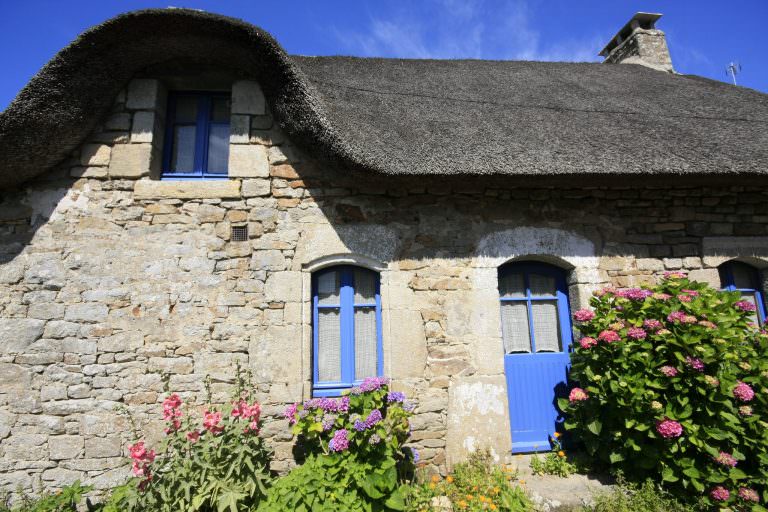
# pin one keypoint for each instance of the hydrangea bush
(212, 459)
(671, 383)
(356, 458)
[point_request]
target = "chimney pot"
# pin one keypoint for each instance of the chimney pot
(639, 42)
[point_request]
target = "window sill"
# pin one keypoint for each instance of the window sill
(191, 189)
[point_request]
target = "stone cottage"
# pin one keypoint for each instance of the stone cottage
(178, 195)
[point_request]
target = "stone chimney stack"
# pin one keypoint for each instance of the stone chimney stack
(639, 42)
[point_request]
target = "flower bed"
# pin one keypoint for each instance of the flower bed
(672, 384)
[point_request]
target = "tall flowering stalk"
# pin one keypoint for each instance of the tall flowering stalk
(672, 383)
(209, 454)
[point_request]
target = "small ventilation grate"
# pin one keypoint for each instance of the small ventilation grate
(239, 234)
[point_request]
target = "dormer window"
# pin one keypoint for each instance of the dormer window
(197, 136)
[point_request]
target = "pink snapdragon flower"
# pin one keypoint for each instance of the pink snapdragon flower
(720, 493)
(748, 494)
(636, 333)
(744, 306)
(172, 413)
(577, 395)
(669, 429)
(142, 458)
(587, 342)
(743, 392)
(211, 422)
(726, 459)
(669, 371)
(193, 436)
(609, 336)
(584, 315)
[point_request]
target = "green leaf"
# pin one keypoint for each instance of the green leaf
(595, 426)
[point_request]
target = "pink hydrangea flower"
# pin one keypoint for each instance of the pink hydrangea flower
(744, 305)
(748, 494)
(609, 336)
(707, 324)
(695, 363)
(587, 342)
(290, 413)
(661, 296)
(669, 371)
(617, 326)
(743, 392)
(720, 493)
(675, 275)
(584, 315)
(577, 395)
(652, 325)
(692, 293)
(339, 442)
(745, 410)
(676, 316)
(636, 293)
(726, 459)
(669, 429)
(712, 381)
(636, 333)
(684, 298)
(663, 332)
(211, 422)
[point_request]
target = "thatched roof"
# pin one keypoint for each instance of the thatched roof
(397, 116)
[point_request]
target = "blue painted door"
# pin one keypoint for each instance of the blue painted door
(536, 331)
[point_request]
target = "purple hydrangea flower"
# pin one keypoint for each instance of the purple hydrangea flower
(415, 454)
(374, 439)
(395, 396)
(339, 443)
(290, 413)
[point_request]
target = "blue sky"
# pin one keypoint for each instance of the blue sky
(703, 35)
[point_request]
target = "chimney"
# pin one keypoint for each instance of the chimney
(639, 42)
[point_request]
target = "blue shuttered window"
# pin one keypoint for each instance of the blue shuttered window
(534, 308)
(346, 320)
(197, 136)
(744, 278)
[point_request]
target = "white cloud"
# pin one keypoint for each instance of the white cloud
(463, 29)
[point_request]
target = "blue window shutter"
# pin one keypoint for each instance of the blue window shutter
(736, 276)
(209, 134)
(348, 304)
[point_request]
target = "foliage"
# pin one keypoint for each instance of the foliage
(356, 458)
(65, 500)
(554, 463)
(645, 497)
(476, 485)
(209, 461)
(672, 385)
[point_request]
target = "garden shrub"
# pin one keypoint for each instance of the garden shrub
(66, 499)
(640, 497)
(210, 460)
(671, 384)
(475, 485)
(356, 460)
(555, 462)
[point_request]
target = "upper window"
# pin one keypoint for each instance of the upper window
(535, 316)
(744, 278)
(346, 328)
(197, 135)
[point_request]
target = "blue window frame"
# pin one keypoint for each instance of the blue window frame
(535, 311)
(346, 334)
(744, 278)
(196, 136)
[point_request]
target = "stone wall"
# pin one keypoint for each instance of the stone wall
(110, 279)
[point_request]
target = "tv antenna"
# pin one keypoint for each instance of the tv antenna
(733, 69)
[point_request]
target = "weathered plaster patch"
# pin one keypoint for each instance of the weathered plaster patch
(53, 204)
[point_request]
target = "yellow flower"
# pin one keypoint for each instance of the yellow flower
(557, 435)
(432, 486)
(561, 453)
(493, 507)
(435, 478)
(462, 504)
(496, 490)
(522, 482)
(469, 497)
